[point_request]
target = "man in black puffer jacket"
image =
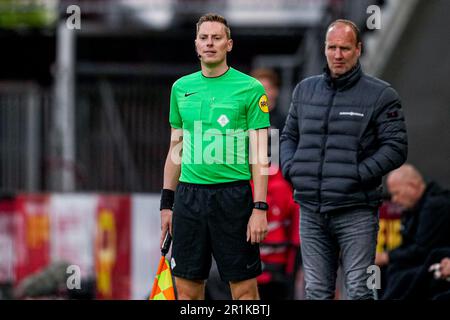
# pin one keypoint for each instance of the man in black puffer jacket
(344, 131)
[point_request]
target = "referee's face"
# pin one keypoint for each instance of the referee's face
(212, 43)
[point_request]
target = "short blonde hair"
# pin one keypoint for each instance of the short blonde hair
(214, 17)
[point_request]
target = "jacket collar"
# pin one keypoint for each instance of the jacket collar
(431, 188)
(346, 80)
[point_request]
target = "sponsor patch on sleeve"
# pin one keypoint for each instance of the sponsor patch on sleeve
(392, 114)
(263, 103)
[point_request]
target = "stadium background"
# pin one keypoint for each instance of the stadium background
(83, 113)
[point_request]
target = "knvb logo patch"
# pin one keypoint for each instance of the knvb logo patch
(223, 120)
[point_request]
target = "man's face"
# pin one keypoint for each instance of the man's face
(403, 193)
(212, 43)
(341, 49)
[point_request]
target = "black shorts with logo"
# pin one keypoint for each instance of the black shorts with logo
(212, 219)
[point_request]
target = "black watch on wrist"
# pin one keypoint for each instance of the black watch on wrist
(260, 205)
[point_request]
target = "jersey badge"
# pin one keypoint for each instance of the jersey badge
(263, 104)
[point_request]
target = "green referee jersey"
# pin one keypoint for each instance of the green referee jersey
(215, 115)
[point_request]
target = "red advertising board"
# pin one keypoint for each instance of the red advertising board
(90, 231)
(112, 248)
(7, 240)
(32, 234)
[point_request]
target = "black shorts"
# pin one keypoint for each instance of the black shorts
(212, 220)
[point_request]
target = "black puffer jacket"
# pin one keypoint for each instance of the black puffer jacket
(340, 137)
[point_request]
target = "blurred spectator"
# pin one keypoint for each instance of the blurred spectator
(51, 283)
(444, 268)
(271, 82)
(425, 226)
(432, 280)
(439, 287)
(280, 250)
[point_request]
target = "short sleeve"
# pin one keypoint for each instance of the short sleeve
(258, 107)
(174, 114)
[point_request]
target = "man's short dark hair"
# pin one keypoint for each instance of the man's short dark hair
(214, 17)
(349, 23)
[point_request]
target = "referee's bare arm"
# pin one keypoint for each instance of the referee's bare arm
(257, 224)
(172, 169)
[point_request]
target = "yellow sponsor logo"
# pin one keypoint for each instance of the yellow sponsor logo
(263, 103)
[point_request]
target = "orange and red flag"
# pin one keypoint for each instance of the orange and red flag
(163, 284)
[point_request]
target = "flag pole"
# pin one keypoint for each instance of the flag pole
(166, 244)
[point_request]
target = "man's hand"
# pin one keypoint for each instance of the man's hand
(257, 226)
(445, 268)
(381, 258)
(166, 224)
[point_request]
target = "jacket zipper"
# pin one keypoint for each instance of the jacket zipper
(322, 155)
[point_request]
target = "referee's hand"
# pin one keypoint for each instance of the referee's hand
(166, 224)
(257, 226)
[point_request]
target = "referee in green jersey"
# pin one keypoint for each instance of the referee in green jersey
(219, 119)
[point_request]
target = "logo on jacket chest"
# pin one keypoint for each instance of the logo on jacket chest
(351, 114)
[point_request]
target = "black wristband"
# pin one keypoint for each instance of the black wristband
(167, 199)
(261, 205)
